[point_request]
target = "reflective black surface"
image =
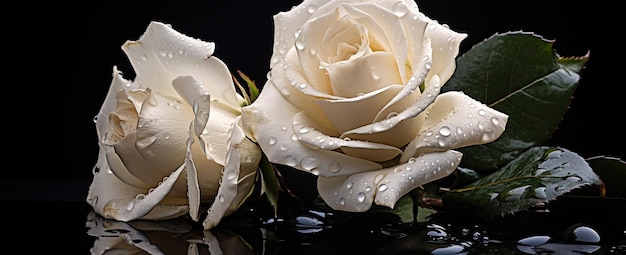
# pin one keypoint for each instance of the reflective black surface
(68, 226)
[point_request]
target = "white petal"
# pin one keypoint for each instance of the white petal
(419, 71)
(108, 106)
(212, 117)
(318, 140)
(193, 186)
(456, 120)
(361, 111)
(287, 24)
(430, 93)
(417, 172)
(350, 113)
(363, 75)
(355, 193)
(203, 176)
(161, 54)
(307, 48)
(193, 92)
(269, 121)
(134, 162)
(162, 132)
(445, 44)
(117, 167)
(114, 199)
(238, 179)
(393, 32)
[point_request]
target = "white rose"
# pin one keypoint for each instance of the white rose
(170, 140)
(353, 96)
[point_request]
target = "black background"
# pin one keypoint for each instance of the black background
(67, 50)
(71, 48)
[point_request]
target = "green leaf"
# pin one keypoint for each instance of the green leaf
(539, 175)
(252, 93)
(612, 171)
(252, 88)
(517, 73)
(574, 64)
(464, 176)
(270, 184)
(405, 209)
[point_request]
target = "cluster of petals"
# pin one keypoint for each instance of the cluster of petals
(170, 140)
(354, 97)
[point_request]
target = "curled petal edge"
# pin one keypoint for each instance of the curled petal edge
(356, 192)
(456, 120)
(239, 176)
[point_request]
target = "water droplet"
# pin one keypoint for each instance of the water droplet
(486, 137)
(436, 233)
(290, 160)
(272, 140)
(220, 198)
(378, 178)
(231, 175)
(400, 9)
(382, 187)
(482, 112)
(584, 234)
(442, 143)
(495, 121)
(540, 192)
(360, 197)
(130, 206)
(574, 178)
(309, 163)
(493, 195)
(349, 185)
(516, 193)
(303, 130)
(311, 8)
(139, 197)
(445, 131)
(300, 44)
(459, 130)
(342, 201)
(450, 249)
(334, 167)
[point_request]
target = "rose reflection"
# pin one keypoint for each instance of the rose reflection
(174, 236)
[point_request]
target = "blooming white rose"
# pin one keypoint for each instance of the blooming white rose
(170, 140)
(353, 96)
